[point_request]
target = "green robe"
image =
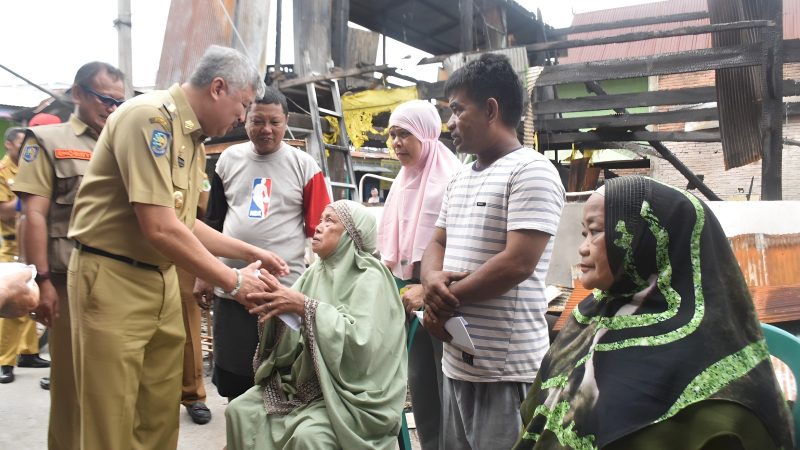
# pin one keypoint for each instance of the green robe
(340, 382)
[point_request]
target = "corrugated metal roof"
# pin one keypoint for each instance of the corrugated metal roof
(791, 30)
(194, 25)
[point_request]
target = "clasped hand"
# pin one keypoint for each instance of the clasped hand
(440, 303)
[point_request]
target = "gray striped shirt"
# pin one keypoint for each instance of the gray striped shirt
(521, 191)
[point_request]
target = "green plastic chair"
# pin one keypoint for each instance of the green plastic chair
(404, 439)
(786, 347)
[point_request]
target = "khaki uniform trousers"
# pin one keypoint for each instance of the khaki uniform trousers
(193, 388)
(64, 429)
(17, 337)
(127, 342)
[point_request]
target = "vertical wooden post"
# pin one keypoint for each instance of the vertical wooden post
(278, 31)
(466, 8)
(339, 18)
(123, 24)
(312, 33)
(772, 159)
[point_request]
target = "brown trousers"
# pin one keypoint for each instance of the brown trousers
(193, 389)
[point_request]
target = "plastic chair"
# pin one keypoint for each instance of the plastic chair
(786, 347)
(404, 439)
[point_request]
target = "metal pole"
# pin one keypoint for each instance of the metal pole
(123, 25)
(278, 19)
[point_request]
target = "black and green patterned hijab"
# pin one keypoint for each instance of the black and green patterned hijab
(677, 327)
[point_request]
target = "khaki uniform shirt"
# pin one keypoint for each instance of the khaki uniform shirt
(8, 172)
(53, 160)
(151, 152)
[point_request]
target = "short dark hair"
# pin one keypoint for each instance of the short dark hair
(87, 72)
(273, 96)
(12, 133)
(491, 76)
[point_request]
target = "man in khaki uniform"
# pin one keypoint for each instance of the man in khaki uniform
(18, 335)
(133, 221)
(193, 392)
(54, 160)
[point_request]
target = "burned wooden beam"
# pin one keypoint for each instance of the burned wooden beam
(772, 144)
(330, 76)
(683, 17)
(646, 35)
(638, 99)
(666, 153)
(668, 63)
(628, 120)
(627, 136)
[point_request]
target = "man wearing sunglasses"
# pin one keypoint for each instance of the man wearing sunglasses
(53, 160)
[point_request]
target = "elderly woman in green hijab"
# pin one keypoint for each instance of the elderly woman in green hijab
(340, 381)
(667, 352)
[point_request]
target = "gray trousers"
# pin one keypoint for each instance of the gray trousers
(481, 416)
(425, 380)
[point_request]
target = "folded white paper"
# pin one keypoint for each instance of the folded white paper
(292, 320)
(457, 327)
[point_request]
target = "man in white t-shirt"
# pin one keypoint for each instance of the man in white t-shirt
(488, 259)
(271, 195)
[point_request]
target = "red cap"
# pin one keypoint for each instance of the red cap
(43, 119)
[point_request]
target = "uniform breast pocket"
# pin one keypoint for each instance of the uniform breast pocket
(69, 173)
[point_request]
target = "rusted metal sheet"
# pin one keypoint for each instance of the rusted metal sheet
(641, 48)
(768, 260)
(791, 30)
(193, 25)
(739, 88)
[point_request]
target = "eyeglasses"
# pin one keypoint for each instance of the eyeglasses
(106, 100)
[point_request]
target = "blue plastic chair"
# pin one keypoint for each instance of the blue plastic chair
(786, 347)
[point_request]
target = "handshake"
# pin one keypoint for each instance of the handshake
(260, 292)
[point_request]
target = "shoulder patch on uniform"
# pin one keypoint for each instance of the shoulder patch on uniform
(159, 142)
(66, 153)
(30, 152)
(161, 121)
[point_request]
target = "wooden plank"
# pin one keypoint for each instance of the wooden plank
(638, 99)
(668, 63)
(646, 35)
(466, 10)
(772, 143)
(791, 50)
(627, 120)
(791, 88)
(683, 17)
(628, 136)
(329, 76)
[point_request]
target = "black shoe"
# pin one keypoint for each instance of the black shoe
(199, 413)
(6, 374)
(44, 383)
(33, 361)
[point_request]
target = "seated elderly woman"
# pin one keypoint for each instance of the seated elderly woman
(667, 353)
(339, 382)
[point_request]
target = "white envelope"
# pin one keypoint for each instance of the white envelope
(292, 320)
(457, 327)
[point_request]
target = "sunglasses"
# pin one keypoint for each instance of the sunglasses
(106, 100)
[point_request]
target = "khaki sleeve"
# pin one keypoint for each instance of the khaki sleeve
(5, 189)
(35, 175)
(143, 150)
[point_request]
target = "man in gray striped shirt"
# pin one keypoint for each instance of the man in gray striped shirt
(488, 259)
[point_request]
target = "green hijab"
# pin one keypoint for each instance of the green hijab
(350, 351)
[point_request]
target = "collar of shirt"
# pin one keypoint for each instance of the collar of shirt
(186, 116)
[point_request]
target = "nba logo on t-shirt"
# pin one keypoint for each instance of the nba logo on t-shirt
(259, 198)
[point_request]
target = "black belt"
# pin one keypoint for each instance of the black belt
(125, 259)
(9, 237)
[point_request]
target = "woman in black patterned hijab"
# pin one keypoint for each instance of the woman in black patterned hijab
(667, 353)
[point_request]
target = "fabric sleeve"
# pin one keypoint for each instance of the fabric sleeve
(536, 198)
(35, 175)
(441, 222)
(143, 150)
(5, 190)
(315, 199)
(217, 205)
